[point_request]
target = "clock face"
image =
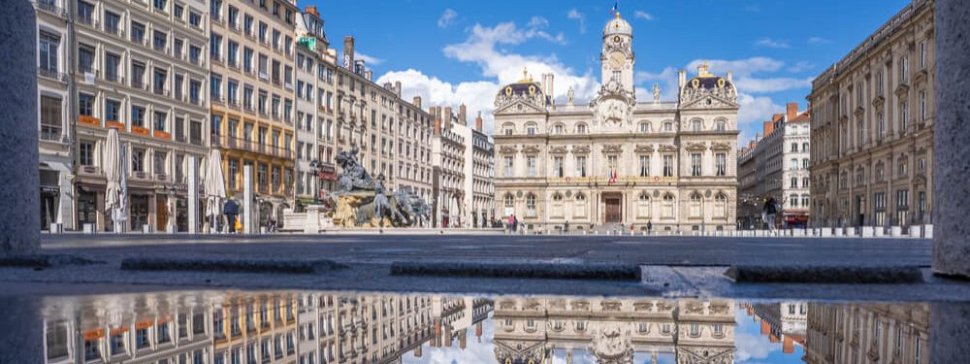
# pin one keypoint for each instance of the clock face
(617, 59)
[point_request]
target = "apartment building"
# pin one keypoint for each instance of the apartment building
(872, 127)
(448, 150)
(479, 170)
(776, 166)
(252, 48)
(140, 68)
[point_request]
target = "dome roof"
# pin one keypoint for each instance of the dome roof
(521, 88)
(707, 80)
(617, 26)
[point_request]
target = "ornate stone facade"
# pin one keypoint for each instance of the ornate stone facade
(616, 161)
(872, 128)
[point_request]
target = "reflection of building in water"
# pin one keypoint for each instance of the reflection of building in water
(307, 328)
(876, 333)
(530, 330)
(785, 321)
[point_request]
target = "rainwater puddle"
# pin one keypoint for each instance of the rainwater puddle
(335, 327)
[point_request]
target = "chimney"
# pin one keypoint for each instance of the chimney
(682, 78)
(417, 102)
(447, 117)
(312, 10)
(788, 346)
(479, 122)
(437, 125)
(769, 127)
(417, 351)
(349, 52)
(791, 111)
(730, 76)
(547, 84)
(777, 117)
(397, 88)
(463, 114)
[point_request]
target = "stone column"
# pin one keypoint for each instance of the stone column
(20, 192)
(248, 200)
(193, 180)
(951, 244)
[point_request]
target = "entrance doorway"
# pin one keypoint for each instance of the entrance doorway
(161, 212)
(612, 209)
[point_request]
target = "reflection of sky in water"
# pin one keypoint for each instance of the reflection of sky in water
(753, 348)
(750, 348)
(475, 352)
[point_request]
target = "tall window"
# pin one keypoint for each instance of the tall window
(557, 165)
(137, 116)
(581, 129)
(903, 116)
(557, 129)
(508, 166)
(794, 182)
(644, 165)
(902, 207)
(879, 83)
(50, 118)
(85, 103)
(668, 206)
(644, 127)
(112, 110)
(668, 166)
(48, 52)
(794, 147)
(530, 164)
(696, 125)
(581, 166)
(879, 207)
(530, 205)
(922, 54)
(903, 69)
(160, 118)
(85, 58)
(793, 200)
(720, 125)
(720, 164)
(922, 105)
(530, 129)
(86, 153)
(794, 164)
(695, 164)
(881, 124)
(695, 205)
(805, 200)
(509, 200)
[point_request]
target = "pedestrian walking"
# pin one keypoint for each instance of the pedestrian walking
(231, 209)
(649, 227)
(515, 224)
(511, 224)
(770, 210)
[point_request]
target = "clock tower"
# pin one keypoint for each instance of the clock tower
(617, 58)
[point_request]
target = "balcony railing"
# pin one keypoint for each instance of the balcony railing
(50, 6)
(50, 133)
(250, 146)
(86, 19)
(52, 73)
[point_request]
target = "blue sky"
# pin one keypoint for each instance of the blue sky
(451, 52)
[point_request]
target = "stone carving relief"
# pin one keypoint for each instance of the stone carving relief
(612, 345)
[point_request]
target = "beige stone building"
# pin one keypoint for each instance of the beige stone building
(251, 47)
(617, 160)
(872, 128)
(606, 330)
(870, 333)
(141, 68)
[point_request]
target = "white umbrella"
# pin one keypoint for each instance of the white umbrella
(214, 185)
(114, 172)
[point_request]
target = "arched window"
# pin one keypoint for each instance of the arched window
(508, 128)
(720, 205)
(557, 129)
(530, 128)
(643, 205)
(668, 127)
(645, 127)
(530, 206)
(804, 147)
(695, 205)
(509, 200)
(557, 197)
(580, 197)
(902, 168)
(720, 125)
(668, 206)
(581, 128)
(696, 125)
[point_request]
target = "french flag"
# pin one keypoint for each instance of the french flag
(616, 8)
(612, 176)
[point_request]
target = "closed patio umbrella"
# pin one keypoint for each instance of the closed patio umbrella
(113, 161)
(215, 186)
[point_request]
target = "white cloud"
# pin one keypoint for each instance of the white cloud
(369, 60)
(751, 347)
(579, 17)
(801, 66)
(485, 48)
(772, 43)
(447, 18)
(640, 14)
(818, 40)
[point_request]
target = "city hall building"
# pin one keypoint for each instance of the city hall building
(617, 161)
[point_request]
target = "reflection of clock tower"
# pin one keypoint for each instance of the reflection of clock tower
(617, 58)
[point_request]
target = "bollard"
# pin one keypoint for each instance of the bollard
(867, 231)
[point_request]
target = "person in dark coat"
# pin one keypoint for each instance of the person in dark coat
(231, 209)
(771, 209)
